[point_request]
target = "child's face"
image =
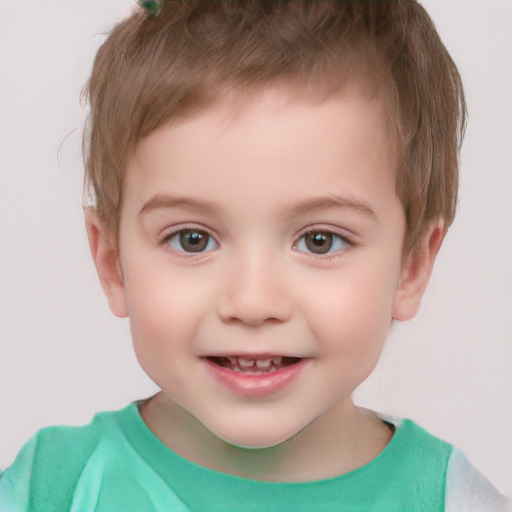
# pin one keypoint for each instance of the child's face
(263, 229)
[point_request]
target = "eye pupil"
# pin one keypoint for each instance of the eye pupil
(318, 242)
(193, 241)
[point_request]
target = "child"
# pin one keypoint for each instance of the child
(272, 181)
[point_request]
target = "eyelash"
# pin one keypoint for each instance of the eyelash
(343, 238)
(167, 238)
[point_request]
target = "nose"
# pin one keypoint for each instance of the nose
(254, 292)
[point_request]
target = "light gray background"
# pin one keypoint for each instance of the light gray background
(64, 356)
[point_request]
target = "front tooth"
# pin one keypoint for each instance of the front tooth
(264, 363)
(245, 363)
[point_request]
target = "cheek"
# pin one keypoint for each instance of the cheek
(352, 316)
(165, 310)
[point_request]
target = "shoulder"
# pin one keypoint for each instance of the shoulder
(418, 446)
(44, 474)
(465, 489)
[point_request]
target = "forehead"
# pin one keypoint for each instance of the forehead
(285, 142)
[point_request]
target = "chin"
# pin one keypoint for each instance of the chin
(253, 444)
(252, 437)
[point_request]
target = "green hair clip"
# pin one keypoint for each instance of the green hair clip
(150, 8)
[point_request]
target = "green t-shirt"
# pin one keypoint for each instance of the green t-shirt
(117, 464)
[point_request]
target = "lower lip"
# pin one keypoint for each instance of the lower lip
(256, 385)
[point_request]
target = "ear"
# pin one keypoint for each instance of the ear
(105, 254)
(415, 273)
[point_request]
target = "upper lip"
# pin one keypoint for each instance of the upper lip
(249, 355)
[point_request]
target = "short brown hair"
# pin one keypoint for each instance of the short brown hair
(150, 71)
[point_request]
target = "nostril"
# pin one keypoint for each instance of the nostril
(252, 314)
(254, 297)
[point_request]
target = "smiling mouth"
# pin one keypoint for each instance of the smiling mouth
(254, 366)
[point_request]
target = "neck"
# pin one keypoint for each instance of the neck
(341, 440)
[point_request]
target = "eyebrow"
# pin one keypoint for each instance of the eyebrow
(332, 201)
(169, 201)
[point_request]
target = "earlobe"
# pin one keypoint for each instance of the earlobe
(415, 273)
(105, 254)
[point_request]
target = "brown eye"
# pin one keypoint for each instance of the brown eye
(322, 243)
(191, 241)
(318, 242)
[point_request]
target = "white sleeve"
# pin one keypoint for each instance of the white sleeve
(467, 490)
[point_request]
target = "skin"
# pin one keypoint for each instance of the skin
(261, 174)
